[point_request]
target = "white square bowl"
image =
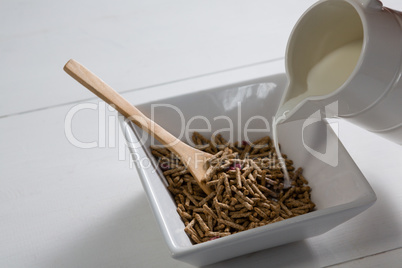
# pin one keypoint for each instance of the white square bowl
(339, 189)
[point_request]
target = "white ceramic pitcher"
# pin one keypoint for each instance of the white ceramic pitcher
(371, 96)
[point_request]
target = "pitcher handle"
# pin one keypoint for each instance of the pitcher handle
(375, 4)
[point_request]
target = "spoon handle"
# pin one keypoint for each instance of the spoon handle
(110, 96)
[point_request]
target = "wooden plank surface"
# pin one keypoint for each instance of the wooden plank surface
(63, 206)
(85, 207)
(134, 44)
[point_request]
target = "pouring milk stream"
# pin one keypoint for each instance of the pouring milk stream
(347, 52)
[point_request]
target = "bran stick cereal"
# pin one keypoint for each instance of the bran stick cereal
(247, 188)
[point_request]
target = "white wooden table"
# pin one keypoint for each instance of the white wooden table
(63, 206)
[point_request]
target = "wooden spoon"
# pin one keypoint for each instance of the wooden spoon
(194, 159)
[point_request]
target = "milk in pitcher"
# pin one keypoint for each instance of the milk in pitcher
(330, 73)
